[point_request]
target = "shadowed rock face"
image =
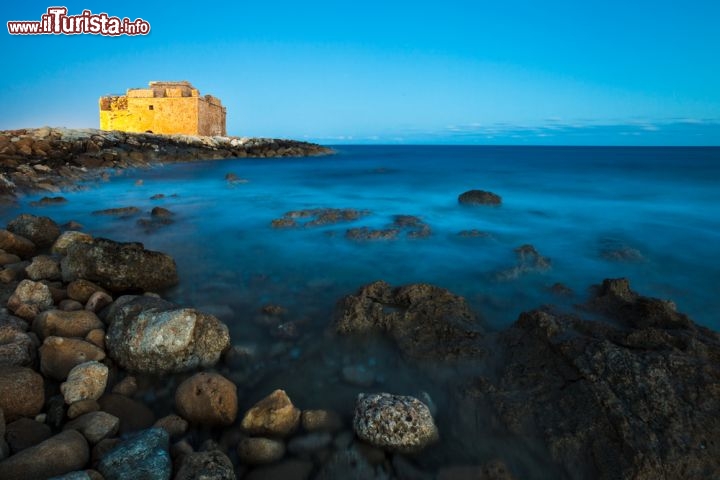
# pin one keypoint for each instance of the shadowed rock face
(426, 321)
(119, 266)
(636, 397)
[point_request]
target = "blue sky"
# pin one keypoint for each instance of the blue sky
(510, 72)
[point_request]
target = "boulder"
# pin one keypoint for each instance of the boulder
(151, 335)
(43, 267)
(394, 422)
(479, 197)
(143, 456)
(22, 392)
(274, 415)
(426, 321)
(65, 452)
(119, 267)
(81, 290)
(66, 239)
(16, 244)
(42, 231)
(16, 346)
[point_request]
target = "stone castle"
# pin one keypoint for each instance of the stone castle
(166, 108)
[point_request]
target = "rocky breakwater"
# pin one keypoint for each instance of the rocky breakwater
(50, 159)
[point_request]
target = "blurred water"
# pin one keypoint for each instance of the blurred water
(572, 204)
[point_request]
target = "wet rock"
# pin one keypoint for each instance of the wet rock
(96, 336)
(349, 463)
(16, 244)
(479, 197)
(144, 455)
(274, 415)
(25, 433)
(394, 422)
(406, 470)
(69, 305)
(8, 258)
(173, 424)
(321, 421)
(22, 392)
(561, 290)
(161, 212)
(45, 201)
(366, 233)
(133, 415)
(95, 426)
(127, 386)
(65, 452)
(316, 217)
(358, 375)
(494, 470)
(42, 231)
(98, 301)
(309, 443)
(528, 260)
(82, 407)
(208, 399)
(17, 348)
(260, 450)
(118, 211)
(153, 336)
(119, 266)
(65, 324)
(426, 321)
(58, 355)
(66, 239)
(86, 381)
(81, 290)
(286, 470)
(635, 397)
(29, 299)
(213, 465)
(43, 267)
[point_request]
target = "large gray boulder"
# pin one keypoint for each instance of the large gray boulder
(119, 266)
(151, 335)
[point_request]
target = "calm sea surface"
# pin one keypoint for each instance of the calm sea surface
(649, 214)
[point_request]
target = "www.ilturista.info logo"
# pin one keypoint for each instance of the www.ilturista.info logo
(57, 22)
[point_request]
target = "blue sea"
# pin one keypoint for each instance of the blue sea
(649, 214)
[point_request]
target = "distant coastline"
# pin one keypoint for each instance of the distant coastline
(51, 159)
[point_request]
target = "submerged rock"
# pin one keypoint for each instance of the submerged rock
(260, 450)
(528, 260)
(274, 415)
(479, 197)
(151, 335)
(394, 422)
(119, 266)
(426, 321)
(118, 211)
(316, 217)
(143, 456)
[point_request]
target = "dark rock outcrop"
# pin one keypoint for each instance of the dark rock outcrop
(479, 197)
(119, 266)
(426, 321)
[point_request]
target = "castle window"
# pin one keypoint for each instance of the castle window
(150, 107)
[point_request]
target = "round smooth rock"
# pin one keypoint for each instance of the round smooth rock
(65, 452)
(321, 420)
(260, 450)
(394, 422)
(29, 299)
(81, 290)
(58, 355)
(65, 324)
(43, 267)
(95, 426)
(207, 399)
(22, 392)
(274, 415)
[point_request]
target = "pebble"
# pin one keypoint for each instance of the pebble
(98, 301)
(86, 381)
(213, 465)
(29, 299)
(127, 386)
(70, 305)
(274, 415)
(81, 407)
(321, 420)
(81, 290)
(207, 399)
(133, 415)
(175, 425)
(260, 450)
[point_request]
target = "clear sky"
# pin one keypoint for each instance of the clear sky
(500, 72)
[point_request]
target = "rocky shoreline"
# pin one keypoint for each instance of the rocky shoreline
(52, 159)
(624, 387)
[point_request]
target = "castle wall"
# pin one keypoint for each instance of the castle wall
(165, 108)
